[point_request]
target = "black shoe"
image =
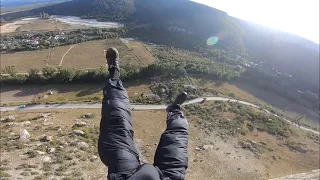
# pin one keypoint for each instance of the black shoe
(180, 99)
(112, 56)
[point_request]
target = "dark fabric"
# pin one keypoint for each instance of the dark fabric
(147, 172)
(116, 145)
(114, 72)
(172, 153)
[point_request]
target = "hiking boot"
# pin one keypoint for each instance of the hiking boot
(112, 56)
(180, 99)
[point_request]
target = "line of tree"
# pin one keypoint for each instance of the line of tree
(51, 75)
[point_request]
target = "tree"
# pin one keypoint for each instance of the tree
(11, 70)
(49, 72)
(64, 75)
(34, 76)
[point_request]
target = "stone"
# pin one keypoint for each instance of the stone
(88, 115)
(78, 132)
(80, 124)
(51, 150)
(82, 145)
(48, 123)
(11, 118)
(44, 115)
(60, 131)
(237, 146)
(252, 142)
(25, 123)
(41, 153)
(301, 149)
(46, 139)
(12, 124)
(93, 157)
(46, 159)
(207, 147)
(198, 149)
(24, 135)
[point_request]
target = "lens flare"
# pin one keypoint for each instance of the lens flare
(212, 40)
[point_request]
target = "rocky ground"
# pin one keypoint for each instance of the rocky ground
(62, 144)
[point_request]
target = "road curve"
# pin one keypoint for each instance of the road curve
(140, 107)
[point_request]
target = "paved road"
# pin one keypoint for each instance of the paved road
(313, 175)
(140, 107)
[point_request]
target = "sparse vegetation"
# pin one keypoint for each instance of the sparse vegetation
(213, 115)
(32, 154)
(4, 174)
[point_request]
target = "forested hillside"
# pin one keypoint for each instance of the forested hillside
(290, 62)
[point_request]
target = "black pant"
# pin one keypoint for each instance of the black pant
(116, 145)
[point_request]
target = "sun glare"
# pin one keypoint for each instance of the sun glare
(299, 17)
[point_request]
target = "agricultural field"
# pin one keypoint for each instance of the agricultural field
(215, 152)
(92, 55)
(79, 56)
(140, 51)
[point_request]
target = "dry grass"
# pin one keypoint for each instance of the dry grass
(139, 50)
(223, 162)
(23, 61)
(91, 55)
(63, 93)
(85, 55)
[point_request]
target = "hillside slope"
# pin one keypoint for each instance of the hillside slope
(188, 25)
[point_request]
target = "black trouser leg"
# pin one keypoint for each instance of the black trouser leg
(116, 145)
(172, 153)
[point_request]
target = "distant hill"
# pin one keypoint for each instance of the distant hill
(188, 25)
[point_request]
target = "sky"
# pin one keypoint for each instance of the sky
(300, 17)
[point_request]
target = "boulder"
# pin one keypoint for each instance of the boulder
(24, 135)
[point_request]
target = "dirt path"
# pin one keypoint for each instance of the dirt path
(60, 64)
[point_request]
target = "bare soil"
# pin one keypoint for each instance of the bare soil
(37, 25)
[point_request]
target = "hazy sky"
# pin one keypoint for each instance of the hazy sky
(299, 17)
